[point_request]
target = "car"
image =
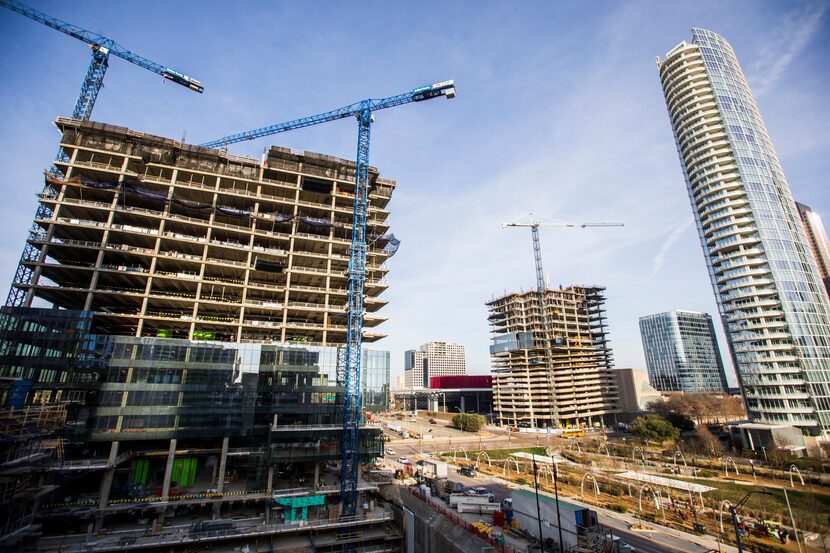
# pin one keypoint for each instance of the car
(390, 451)
(403, 460)
(481, 491)
(467, 471)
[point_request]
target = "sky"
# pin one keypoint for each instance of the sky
(559, 112)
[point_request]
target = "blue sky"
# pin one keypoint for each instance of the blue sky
(559, 112)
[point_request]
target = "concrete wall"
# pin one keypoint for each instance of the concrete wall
(432, 532)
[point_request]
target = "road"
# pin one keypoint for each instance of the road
(658, 541)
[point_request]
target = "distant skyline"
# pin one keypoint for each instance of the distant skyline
(559, 112)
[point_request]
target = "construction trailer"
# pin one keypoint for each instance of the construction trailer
(577, 522)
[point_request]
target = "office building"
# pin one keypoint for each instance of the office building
(682, 353)
(197, 308)
(433, 359)
(819, 243)
(772, 301)
(577, 386)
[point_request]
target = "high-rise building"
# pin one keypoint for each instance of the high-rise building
(160, 238)
(819, 242)
(768, 288)
(577, 386)
(433, 359)
(197, 302)
(682, 353)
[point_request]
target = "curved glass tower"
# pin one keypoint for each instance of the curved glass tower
(767, 285)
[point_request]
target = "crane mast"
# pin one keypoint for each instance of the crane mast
(541, 295)
(349, 357)
(102, 47)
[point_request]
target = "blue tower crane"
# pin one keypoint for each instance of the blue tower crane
(102, 48)
(349, 356)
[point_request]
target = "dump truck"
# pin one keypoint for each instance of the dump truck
(577, 521)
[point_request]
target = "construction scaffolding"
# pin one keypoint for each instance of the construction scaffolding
(29, 439)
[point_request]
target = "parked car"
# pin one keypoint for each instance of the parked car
(390, 451)
(403, 460)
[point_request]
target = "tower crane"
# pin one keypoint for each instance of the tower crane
(541, 288)
(349, 356)
(102, 47)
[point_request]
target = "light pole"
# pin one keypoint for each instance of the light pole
(556, 495)
(538, 511)
(733, 510)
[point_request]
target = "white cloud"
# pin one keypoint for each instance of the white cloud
(791, 36)
(660, 259)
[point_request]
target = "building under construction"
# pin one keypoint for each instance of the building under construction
(197, 300)
(575, 386)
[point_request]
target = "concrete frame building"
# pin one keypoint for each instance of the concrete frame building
(819, 242)
(682, 353)
(160, 238)
(772, 301)
(433, 359)
(579, 387)
(197, 304)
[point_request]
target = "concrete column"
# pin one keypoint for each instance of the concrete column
(168, 470)
(223, 461)
(316, 475)
(106, 485)
(220, 484)
(270, 478)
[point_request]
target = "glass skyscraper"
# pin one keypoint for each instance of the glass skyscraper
(767, 285)
(682, 352)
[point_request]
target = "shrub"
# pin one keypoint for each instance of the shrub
(618, 507)
(521, 480)
(654, 428)
(468, 422)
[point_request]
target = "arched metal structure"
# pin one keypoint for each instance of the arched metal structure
(479, 455)
(507, 465)
(726, 461)
(798, 472)
(603, 445)
(588, 476)
(456, 450)
(634, 454)
(546, 470)
(680, 453)
(640, 496)
(722, 503)
(572, 442)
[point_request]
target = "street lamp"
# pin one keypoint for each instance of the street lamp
(733, 510)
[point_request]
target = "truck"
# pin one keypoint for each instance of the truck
(577, 521)
(466, 503)
(434, 469)
(469, 498)
(394, 427)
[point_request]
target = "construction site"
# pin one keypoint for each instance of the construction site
(552, 369)
(181, 351)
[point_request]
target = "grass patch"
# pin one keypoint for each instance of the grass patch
(808, 507)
